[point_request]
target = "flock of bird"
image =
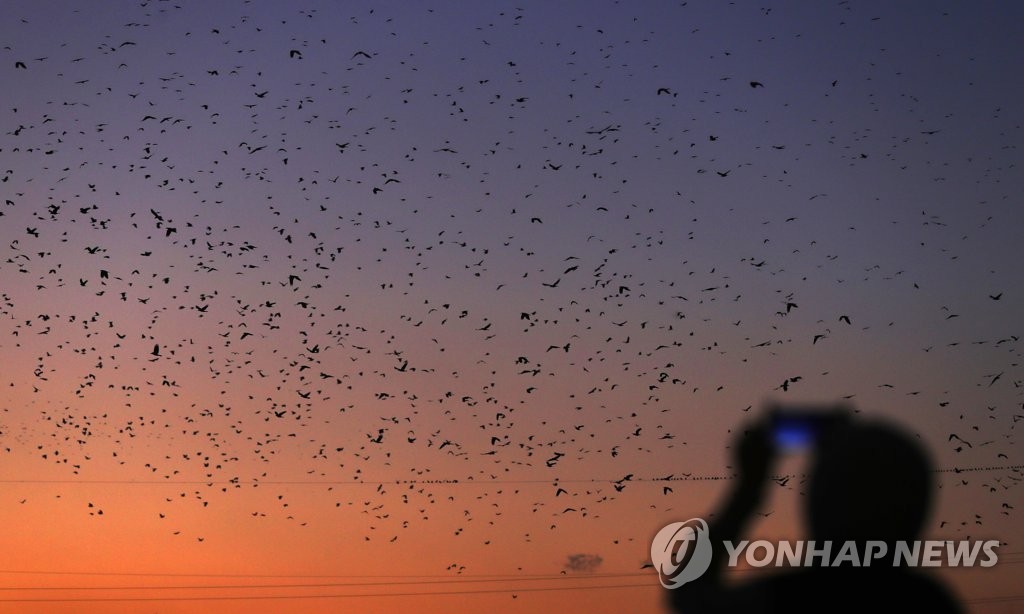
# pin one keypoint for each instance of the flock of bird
(245, 242)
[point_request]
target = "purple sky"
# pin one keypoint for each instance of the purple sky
(491, 241)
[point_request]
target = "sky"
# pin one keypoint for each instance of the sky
(452, 306)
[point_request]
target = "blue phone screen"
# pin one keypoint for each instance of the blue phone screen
(794, 433)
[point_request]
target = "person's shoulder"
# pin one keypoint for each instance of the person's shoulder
(853, 590)
(932, 594)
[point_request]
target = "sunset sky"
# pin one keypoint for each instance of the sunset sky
(384, 306)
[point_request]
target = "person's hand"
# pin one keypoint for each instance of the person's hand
(755, 452)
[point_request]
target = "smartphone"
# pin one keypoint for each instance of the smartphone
(796, 428)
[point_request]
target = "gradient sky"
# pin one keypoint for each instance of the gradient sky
(343, 293)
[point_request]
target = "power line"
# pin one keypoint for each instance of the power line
(982, 600)
(392, 578)
(308, 576)
(462, 580)
(513, 591)
(395, 580)
(1003, 599)
(683, 477)
(331, 596)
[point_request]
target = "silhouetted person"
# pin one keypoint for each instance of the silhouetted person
(869, 481)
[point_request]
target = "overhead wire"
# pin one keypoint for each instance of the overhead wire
(683, 477)
(401, 582)
(329, 596)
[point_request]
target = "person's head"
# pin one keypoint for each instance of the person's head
(870, 481)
